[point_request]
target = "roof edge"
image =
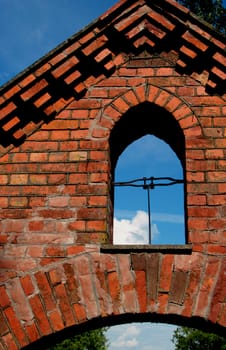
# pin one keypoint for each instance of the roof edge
(100, 22)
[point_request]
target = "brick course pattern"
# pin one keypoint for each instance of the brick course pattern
(63, 124)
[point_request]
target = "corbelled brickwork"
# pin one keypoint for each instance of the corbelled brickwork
(144, 67)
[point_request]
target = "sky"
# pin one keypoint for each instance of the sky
(29, 30)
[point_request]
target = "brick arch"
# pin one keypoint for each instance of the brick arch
(94, 289)
(173, 104)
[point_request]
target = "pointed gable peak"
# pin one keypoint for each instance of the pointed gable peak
(128, 29)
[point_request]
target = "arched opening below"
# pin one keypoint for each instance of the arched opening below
(141, 335)
(167, 321)
(162, 206)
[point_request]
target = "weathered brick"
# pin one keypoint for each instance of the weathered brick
(38, 179)
(152, 93)
(78, 225)
(17, 295)
(3, 179)
(27, 285)
(78, 156)
(4, 301)
(56, 320)
(91, 213)
(9, 341)
(9, 108)
(45, 290)
(61, 125)
(55, 251)
(178, 287)
(162, 98)
(3, 325)
(40, 315)
(32, 332)
(152, 277)
(63, 68)
(37, 87)
(16, 326)
(99, 42)
(56, 213)
(42, 100)
(18, 179)
(165, 274)
(64, 304)
(10, 124)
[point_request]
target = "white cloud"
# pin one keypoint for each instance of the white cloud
(131, 227)
(158, 217)
(122, 343)
(141, 336)
(127, 339)
(134, 230)
(132, 330)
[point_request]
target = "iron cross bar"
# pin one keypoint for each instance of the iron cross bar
(149, 184)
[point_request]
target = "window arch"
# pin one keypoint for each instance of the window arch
(149, 123)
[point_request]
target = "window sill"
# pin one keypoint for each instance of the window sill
(164, 249)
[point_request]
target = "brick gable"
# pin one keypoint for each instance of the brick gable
(64, 122)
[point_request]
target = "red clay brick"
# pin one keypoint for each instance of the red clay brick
(9, 108)
(18, 179)
(27, 285)
(61, 125)
(32, 332)
(42, 100)
(162, 98)
(80, 312)
(63, 68)
(71, 78)
(9, 342)
(40, 315)
(45, 290)
(9, 93)
(27, 80)
(16, 326)
(38, 179)
(64, 305)
(56, 320)
(40, 85)
(94, 46)
(4, 301)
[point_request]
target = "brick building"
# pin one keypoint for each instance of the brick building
(144, 67)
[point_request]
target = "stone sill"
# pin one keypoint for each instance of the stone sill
(164, 249)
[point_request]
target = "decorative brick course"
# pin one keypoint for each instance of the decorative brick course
(63, 124)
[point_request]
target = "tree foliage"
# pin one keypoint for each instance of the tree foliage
(192, 339)
(212, 11)
(91, 340)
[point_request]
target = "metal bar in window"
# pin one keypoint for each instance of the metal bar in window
(149, 184)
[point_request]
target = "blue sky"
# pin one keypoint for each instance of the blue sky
(31, 28)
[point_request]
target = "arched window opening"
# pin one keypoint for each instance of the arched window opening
(148, 142)
(147, 157)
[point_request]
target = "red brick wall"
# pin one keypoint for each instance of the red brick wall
(56, 184)
(56, 196)
(56, 210)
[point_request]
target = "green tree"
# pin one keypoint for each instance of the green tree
(192, 339)
(91, 340)
(212, 11)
